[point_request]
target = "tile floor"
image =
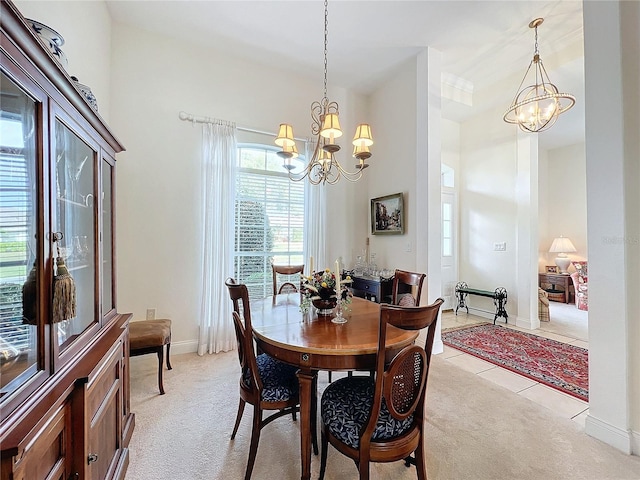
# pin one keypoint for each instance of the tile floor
(561, 403)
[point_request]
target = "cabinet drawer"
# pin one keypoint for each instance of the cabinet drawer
(370, 286)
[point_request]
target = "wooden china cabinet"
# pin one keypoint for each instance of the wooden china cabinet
(64, 382)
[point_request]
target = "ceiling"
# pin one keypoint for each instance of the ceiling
(486, 46)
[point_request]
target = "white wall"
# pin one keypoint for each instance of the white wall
(565, 202)
(488, 209)
(86, 29)
(543, 209)
(612, 42)
(393, 109)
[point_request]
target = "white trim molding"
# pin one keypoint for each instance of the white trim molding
(612, 435)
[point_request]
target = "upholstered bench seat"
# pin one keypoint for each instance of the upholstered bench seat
(150, 336)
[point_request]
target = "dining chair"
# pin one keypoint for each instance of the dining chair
(381, 418)
(403, 282)
(287, 286)
(265, 382)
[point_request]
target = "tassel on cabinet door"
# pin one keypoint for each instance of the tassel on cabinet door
(64, 288)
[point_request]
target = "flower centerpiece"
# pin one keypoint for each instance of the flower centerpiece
(319, 290)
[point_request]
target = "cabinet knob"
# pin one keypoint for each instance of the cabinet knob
(93, 457)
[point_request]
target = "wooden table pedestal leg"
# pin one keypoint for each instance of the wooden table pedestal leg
(307, 383)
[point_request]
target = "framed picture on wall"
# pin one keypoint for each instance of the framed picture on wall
(552, 269)
(387, 215)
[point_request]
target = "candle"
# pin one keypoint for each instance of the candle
(338, 277)
(310, 266)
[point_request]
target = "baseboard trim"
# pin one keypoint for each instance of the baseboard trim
(611, 435)
(481, 313)
(187, 346)
(635, 443)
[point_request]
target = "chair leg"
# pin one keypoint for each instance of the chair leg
(169, 367)
(329, 376)
(255, 438)
(421, 463)
(323, 454)
(160, 355)
(363, 468)
(238, 418)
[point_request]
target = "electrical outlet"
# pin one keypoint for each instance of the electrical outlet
(151, 313)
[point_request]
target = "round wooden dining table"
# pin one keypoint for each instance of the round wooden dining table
(315, 343)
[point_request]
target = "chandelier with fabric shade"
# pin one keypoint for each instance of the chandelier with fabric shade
(536, 107)
(562, 246)
(324, 167)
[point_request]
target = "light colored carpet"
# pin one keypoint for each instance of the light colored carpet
(567, 320)
(475, 430)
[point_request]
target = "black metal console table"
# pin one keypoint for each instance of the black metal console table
(499, 296)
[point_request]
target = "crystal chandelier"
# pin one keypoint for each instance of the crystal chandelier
(537, 106)
(324, 166)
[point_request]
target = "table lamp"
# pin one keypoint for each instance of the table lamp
(562, 246)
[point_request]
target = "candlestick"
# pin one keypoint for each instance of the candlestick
(338, 279)
(310, 266)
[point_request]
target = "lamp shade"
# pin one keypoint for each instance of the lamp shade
(285, 136)
(363, 136)
(562, 245)
(331, 126)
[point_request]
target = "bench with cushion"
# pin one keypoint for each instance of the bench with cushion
(499, 296)
(150, 336)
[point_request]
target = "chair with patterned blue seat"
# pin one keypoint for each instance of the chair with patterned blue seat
(265, 382)
(381, 418)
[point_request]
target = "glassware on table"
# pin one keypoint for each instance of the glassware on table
(359, 268)
(339, 318)
(373, 266)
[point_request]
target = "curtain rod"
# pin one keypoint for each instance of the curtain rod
(187, 117)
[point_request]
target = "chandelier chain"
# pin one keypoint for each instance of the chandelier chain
(326, 33)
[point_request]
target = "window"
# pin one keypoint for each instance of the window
(269, 218)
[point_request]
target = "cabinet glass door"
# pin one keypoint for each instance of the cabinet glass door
(18, 242)
(74, 225)
(107, 239)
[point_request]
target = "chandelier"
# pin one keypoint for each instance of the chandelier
(537, 106)
(324, 166)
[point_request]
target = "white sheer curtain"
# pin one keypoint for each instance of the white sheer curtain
(315, 220)
(219, 153)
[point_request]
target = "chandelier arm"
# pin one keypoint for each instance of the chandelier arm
(347, 174)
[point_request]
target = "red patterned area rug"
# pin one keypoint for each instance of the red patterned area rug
(558, 365)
